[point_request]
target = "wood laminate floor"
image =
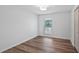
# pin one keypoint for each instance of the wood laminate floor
(42, 44)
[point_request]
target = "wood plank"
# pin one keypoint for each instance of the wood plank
(43, 44)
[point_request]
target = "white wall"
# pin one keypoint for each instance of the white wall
(61, 24)
(16, 26)
(72, 28)
(72, 25)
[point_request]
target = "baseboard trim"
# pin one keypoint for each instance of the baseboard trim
(60, 38)
(55, 37)
(18, 43)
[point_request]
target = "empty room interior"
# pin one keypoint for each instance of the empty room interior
(39, 28)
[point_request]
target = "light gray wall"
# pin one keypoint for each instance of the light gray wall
(16, 26)
(72, 28)
(61, 24)
(72, 25)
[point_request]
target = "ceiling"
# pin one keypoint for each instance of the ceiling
(50, 9)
